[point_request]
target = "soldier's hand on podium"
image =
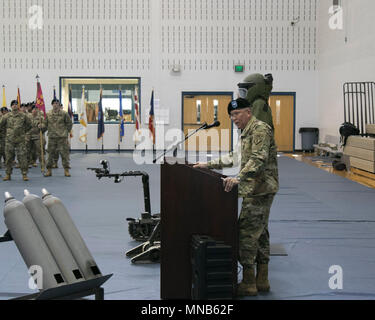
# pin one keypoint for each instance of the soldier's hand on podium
(229, 183)
(201, 165)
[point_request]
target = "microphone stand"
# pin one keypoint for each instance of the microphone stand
(175, 146)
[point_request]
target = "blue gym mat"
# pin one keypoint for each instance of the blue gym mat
(320, 219)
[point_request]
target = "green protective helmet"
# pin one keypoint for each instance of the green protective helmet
(255, 86)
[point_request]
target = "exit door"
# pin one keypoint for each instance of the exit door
(207, 107)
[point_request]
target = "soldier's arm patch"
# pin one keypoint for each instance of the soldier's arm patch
(257, 139)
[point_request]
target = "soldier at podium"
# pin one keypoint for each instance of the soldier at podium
(258, 183)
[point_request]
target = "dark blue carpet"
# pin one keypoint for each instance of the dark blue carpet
(321, 220)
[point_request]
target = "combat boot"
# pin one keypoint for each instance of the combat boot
(66, 172)
(248, 285)
(262, 282)
(7, 177)
(48, 173)
(25, 177)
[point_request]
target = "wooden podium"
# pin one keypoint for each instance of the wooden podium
(193, 201)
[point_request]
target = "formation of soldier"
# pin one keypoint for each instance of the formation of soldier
(22, 136)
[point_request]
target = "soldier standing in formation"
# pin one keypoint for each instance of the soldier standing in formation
(17, 125)
(258, 183)
(29, 107)
(56, 156)
(25, 109)
(58, 124)
(3, 112)
(36, 147)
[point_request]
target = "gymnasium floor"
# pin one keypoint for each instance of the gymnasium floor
(319, 218)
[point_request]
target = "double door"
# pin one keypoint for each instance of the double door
(201, 108)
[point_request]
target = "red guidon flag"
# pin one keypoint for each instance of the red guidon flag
(39, 99)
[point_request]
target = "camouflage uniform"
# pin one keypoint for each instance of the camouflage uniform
(259, 183)
(2, 141)
(58, 125)
(36, 119)
(17, 125)
(28, 141)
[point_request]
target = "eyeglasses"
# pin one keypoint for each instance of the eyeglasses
(236, 113)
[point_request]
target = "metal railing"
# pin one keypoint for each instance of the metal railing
(359, 104)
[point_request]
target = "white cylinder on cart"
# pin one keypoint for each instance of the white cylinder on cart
(71, 235)
(31, 244)
(53, 238)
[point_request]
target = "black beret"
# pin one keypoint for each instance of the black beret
(13, 102)
(239, 103)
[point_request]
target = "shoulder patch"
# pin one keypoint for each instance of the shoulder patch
(257, 139)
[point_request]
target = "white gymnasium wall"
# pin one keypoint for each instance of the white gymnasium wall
(346, 55)
(145, 38)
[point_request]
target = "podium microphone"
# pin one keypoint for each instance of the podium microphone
(215, 124)
(174, 147)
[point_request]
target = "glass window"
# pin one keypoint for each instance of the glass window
(199, 104)
(216, 109)
(110, 97)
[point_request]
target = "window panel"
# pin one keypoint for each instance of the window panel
(110, 97)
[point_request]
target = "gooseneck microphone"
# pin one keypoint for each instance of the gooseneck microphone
(215, 124)
(174, 146)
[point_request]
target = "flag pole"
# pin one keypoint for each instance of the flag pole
(70, 133)
(119, 132)
(154, 123)
(102, 116)
(86, 120)
(136, 117)
(119, 126)
(42, 165)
